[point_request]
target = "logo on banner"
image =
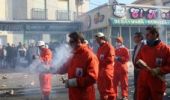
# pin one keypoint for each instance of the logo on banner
(165, 15)
(137, 13)
(98, 18)
(119, 10)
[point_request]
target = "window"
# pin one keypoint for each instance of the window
(168, 35)
(143, 30)
(126, 36)
(133, 31)
(59, 38)
(162, 33)
(38, 13)
(115, 33)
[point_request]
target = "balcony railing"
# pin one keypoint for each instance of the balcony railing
(39, 14)
(63, 15)
(60, 15)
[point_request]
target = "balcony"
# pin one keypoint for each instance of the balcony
(38, 14)
(63, 15)
(60, 15)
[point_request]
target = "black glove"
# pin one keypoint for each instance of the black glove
(34, 57)
(117, 58)
(70, 82)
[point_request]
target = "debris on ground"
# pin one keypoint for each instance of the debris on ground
(4, 77)
(32, 83)
(7, 93)
(3, 85)
(26, 76)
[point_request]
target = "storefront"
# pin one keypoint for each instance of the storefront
(31, 31)
(115, 20)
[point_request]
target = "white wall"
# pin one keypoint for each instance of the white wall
(52, 6)
(90, 17)
(19, 9)
(2, 10)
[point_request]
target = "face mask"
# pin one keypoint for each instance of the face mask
(152, 42)
(118, 44)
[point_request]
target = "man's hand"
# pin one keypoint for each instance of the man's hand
(155, 71)
(70, 82)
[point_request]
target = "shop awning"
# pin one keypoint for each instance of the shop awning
(114, 21)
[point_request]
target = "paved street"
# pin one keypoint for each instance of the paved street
(26, 86)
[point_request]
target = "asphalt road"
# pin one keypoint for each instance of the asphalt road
(26, 86)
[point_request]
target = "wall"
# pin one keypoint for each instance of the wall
(97, 18)
(2, 10)
(18, 36)
(52, 7)
(34, 4)
(84, 7)
(19, 9)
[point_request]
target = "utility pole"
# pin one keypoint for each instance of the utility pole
(45, 8)
(77, 7)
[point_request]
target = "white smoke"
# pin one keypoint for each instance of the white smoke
(61, 56)
(33, 66)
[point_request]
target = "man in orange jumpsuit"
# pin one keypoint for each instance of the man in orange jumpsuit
(156, 55)
(105, 54)
(45, 78)
(82, 69)
(121, 68)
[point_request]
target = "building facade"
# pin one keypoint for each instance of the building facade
(153, 2)
(43, 9)
(124, 20)
(40, 12)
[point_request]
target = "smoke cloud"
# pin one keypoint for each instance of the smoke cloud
(61, 56)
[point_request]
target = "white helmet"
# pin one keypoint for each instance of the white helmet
(40, 43)
(99, 34)
(86, 42)
(46, 46)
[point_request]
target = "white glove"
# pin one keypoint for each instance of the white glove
(70, 83)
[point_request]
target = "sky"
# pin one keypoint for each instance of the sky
(95, 3)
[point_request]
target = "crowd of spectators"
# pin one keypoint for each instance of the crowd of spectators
(12, 55)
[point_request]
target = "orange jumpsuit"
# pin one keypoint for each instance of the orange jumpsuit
(84, 67)
(45, 78)
(106, 54)
(150, 87)
(121, 70)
